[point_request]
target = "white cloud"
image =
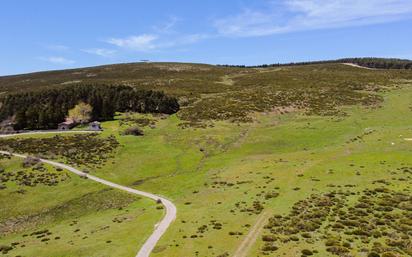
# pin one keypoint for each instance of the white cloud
(163, 36)
(144, 42)
(58, 60)
(153, 42)
(249, 23)
(298, 15)
(100, 52)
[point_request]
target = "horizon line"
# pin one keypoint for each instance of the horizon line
(199, 63)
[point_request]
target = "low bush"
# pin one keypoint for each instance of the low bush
(133, 131)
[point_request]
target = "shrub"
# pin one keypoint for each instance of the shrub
(269, 247)
(268, 238)
(30, 161)
(132, 131)
(307, 252)
(5, 248)
(373, 254)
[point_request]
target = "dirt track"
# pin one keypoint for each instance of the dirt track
(251, 237)
(358, 66)
(160, 228)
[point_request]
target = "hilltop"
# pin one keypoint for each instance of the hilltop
(207, 92)
(141, 72)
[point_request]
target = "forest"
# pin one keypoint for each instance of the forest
(46, 108)
(369, 62)
(380, 63)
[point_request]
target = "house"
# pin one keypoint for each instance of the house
(66, 125)
(7, 128)
(95, 126)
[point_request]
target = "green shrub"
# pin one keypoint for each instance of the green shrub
(133, 131)
(307, 252)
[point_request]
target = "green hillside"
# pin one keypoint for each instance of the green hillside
(300, 160)
(225, 93)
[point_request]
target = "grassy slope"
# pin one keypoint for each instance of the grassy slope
(183, 164)
(89, 204)
(209, 92)
(260, 153)
(294, 145)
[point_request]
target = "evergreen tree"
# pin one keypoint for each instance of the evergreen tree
(47, 108)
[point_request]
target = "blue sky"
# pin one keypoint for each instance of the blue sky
(50, 34)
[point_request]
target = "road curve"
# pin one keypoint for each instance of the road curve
(160, 228)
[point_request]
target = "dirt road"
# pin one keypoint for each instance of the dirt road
(358, 66)
(160, 228)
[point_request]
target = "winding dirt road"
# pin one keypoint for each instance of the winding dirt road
(160, 228)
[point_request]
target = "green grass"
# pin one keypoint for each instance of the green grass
(213, 174)
(280, 147)
(208, 92)
(100, 214)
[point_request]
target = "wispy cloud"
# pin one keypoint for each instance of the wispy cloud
(144, 42)
(153, 42)
(161, 36)
(297, 15)
(57, 60)
(103, 52)
(168, 26)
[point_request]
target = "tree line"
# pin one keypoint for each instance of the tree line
(370, 62)
(380, 63)
(45, 109)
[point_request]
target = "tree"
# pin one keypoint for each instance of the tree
(21, 120)
(45, 109)
(81, 113)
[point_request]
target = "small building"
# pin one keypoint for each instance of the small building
(7, 128)
(66, 125)
(95, 126)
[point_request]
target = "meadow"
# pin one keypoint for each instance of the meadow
(70, 217)
(335, 182)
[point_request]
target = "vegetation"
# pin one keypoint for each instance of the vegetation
(207, 92)
(49, 107)
(380, 63)
(370, 62)
(314, 90)
(331, 164)
(377, 215)
(133, 131)
(31, 175)
(81, 113)
(82, 150)
(84, 213)
(130, 119)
